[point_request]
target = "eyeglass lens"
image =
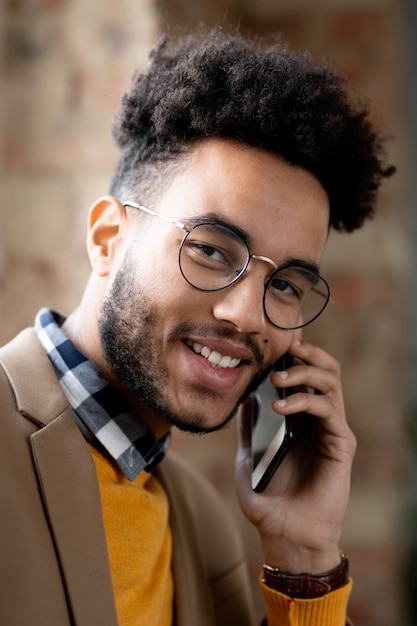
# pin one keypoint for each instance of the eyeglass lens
(213, 257)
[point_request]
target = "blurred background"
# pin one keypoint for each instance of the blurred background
(65, 64)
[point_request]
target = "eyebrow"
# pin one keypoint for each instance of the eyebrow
(216, 218)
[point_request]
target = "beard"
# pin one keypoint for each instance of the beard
(129, 328)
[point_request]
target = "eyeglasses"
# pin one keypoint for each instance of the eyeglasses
(212, 257)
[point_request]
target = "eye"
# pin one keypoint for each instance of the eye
(282, 287)
(293, 282)
(208, 251)
(206, 254)
(214, 247)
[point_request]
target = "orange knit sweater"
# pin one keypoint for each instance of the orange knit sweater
(139, 544)
(329, 610)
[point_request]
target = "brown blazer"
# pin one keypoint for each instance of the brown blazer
(54, 568)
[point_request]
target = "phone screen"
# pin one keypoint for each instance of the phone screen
(271, 434)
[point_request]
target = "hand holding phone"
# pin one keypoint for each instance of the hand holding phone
(271, 433)
(299, 516)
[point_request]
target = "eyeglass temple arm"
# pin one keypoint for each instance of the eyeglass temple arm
(135, 205)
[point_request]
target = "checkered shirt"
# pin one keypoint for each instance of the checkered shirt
(99, 411)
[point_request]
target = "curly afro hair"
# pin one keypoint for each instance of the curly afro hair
(212, 84)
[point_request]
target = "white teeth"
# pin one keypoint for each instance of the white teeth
(215, 358)
(225, 361)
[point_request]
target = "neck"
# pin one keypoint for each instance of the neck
(84, 334)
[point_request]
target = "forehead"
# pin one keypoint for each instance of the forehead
(280, 208)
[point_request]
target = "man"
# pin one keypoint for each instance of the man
(235, 162)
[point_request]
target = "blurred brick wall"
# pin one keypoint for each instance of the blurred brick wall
(66, 63)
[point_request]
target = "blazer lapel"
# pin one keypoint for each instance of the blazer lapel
(68, 482)
(70, 492)
(193, 600)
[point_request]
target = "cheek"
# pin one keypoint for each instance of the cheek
(280, 343)
(158, 262)
(164, 283)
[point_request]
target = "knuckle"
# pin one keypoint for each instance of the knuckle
(336, 367)
(352, 442)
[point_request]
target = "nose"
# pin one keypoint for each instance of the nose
(241, 303)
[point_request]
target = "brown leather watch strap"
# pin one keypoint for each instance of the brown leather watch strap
(307, 586)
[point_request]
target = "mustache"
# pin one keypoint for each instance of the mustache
(219, 332)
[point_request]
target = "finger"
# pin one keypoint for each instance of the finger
(326, 418)
(320, 406)
(321, 425)
(313, 355)
(320, 380)
(314, 368)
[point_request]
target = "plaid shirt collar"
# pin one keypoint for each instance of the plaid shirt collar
(100, 412)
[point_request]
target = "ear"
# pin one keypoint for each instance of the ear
(106, 229)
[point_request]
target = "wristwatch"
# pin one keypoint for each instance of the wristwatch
(307, 586)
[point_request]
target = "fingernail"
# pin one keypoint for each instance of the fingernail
(281, 402)
(283, 374)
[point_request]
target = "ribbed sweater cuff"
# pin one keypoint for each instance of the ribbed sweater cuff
(329, 610)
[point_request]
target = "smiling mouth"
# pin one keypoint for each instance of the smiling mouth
(214, 358)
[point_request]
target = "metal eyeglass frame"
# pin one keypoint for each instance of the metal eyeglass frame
(188, 229)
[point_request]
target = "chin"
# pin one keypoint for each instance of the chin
(198, 425)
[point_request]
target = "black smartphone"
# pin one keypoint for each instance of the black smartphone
(271, 433)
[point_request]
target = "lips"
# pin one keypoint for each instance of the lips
(216, 359)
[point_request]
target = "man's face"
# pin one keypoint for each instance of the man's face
(160, 334)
